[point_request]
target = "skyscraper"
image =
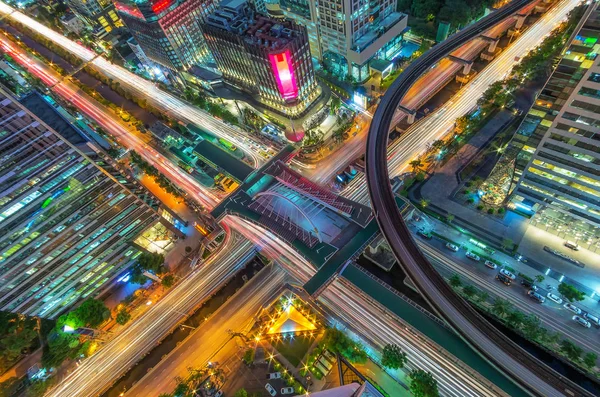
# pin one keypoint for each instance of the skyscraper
(352, 32)
(168, 31)
(66, 225)
(266, 57)
(558, 166)
(100, 15)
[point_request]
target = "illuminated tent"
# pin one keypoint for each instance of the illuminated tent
(291, 320)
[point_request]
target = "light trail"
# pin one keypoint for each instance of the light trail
(172, 105)
(414, 141)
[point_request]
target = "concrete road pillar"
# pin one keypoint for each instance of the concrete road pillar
(467, 68)
(493, 45)
(520, 21)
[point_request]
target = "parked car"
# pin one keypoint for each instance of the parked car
(507, 274)
(274, 375)
(287, 390)
(270, 389)
(490, 264)
(572, 307)
(572, 245)
(582, 321)
(554, 298)
(452, 247)
(473, 256)
(592, 319)
(424, 234)
(502, 278)
(534, 295)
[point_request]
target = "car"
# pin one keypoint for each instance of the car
(592, 319)
(473, 256)
(425, 234)
(274, 375)
(502, 278)
(554, 298)
(490, 264)
(507, 274)
(219, 393)
(287, 390)
(582, 321)
(572, 307)
(271, 389)
(534, 295)
(572, 245)
(452, 247)
(527, 283)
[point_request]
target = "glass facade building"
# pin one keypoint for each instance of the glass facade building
(66, 225)
(265, 57)
(168, 31)
(557, 170)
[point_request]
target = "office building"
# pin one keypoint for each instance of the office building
(353, 32)
(99, 15)
(168, 31)
(558, 166)
(66, 225)
(304, 12)
(264, 57)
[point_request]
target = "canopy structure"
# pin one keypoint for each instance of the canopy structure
(291, 320)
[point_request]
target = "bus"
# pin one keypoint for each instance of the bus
(227, 144)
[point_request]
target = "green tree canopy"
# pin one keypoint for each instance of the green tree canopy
(423, 384)
(570, 293)
(571, 350)
(168, 281)
(123, 317)
(393, 357)
(589, 360)
(337, 341)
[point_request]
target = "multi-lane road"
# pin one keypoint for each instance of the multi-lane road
(161, 99)
(97, 372)
(526, 371)
(414, 141)
(236, 315)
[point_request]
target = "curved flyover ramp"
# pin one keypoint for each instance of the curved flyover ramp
(531, 375)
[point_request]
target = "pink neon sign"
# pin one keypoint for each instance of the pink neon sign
(284, 74)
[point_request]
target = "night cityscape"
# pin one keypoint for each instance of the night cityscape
(329, 198)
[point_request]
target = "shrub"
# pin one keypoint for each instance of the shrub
(466, 191)
(490, 211)
(501, 210)
(480, 207)
(470, 200)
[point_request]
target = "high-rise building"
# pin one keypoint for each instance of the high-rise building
(265, 57)
(304, 12)
(66, 225)
(99, 15)
(168, 31)
(558, 166)
(352, 32)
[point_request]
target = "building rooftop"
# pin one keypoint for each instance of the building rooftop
(223, 160)
(237, 17)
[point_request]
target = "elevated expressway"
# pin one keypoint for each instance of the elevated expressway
(526, 371)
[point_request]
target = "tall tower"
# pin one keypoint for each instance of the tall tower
(168, 31)
(558, 166)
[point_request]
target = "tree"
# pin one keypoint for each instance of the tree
(148, 261)
(241, 393)
(501, 307)
(393, 357)
(515, 318)
(416, 165)
(482, 296)
(469, 290)
(540, 278)
(507, 243)
(90, 313)
(589, 360)
(423, 384)
(570, 293)
(455, 281)
(571, 350)
(461, 124)
(337, 341)
(424, 203)
(532, 326)
(122, 317)
(168, 281)
(449, 218)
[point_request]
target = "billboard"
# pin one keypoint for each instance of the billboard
(284, 74)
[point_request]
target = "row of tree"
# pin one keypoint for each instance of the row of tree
(422, 383)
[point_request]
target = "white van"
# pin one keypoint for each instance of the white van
(572, 245)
